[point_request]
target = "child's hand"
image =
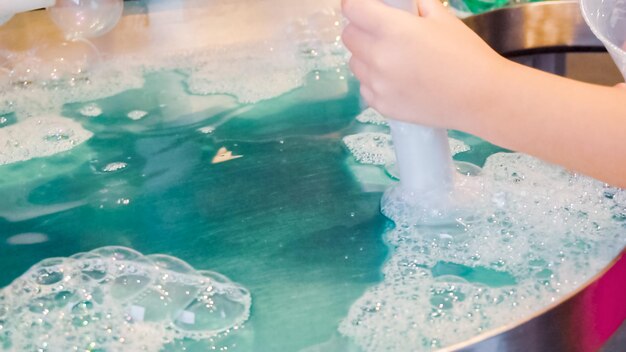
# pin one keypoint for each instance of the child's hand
(431, 69)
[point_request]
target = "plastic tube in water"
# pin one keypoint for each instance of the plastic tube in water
(423, 157)
(422, 153)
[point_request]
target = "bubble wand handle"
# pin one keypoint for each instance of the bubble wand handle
(423, 154)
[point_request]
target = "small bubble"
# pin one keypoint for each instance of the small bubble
(206, 129)
(90, 110)
(123, 201)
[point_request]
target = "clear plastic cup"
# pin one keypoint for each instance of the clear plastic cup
(607, 20)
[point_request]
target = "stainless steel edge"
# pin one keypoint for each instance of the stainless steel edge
(550, 26)
(582, 321)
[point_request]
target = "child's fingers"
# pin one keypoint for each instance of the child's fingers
(429, 8)
(367, 95)
(359, 69)
(365, 13)
(357, 42)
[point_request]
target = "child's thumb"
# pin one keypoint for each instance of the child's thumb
(428, 8)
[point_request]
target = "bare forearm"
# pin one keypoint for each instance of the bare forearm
(574, 124)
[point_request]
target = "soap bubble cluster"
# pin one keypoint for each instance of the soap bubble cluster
(116, 299)
(28, 95)
(40, 137)
(137, 115)
(90, 110)
(39, 82)
(80, 19)
(376, 148)
(113, 167)
(371, 147)
(533, 232)
(273, 68)
(51, 64)
(371, 116)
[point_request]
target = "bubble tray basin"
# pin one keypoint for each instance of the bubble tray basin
(211, 181)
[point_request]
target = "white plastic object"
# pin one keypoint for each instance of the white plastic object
(423, 155)
(8, 8)
(81, 19)
(607, 20)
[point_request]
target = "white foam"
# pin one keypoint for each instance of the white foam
(115, 299)
(222, 74)
(535, 228)
(39, 137)
(376, 148)
(37, 99)
(256, 72)
(457, 146)
(206, 129)
(251, 71)
(91, 110)
(116, 166)
(371, 116)
(137, 115)
(371, 148)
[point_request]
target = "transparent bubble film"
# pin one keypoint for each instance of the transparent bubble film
(255, 158)
(114, 299)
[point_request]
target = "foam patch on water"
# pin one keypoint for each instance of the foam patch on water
(137, 115)
(116, 166)
(116, 299)
(371, 116)
(371, 147)
(90, 110)
(533, 232)
(257, 72)
(39, 137)
(376, 148)
(457, 146)
(251, 71)
(223, 75)
(32, 98)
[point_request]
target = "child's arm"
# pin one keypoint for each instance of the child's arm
(435, 71)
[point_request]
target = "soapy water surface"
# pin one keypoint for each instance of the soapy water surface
(299, 47)
(40, 137)
(536, 231)
(527, 233)
(115, 299)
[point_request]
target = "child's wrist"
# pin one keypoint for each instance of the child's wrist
(488, 101)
